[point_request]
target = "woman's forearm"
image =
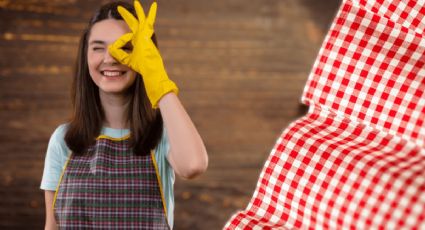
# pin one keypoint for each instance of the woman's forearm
(187, 155)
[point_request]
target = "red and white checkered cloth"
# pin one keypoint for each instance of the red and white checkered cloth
(357, 159)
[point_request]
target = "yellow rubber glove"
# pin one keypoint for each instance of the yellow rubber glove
(145, 57)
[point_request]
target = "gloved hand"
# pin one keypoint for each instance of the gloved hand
(145, 57)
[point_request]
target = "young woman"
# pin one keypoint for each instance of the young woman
(113, 164)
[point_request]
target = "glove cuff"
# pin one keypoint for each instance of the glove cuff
(162, 88)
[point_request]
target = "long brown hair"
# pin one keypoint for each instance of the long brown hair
(86, 123)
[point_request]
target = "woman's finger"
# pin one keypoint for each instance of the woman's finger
(128, 18)
(115, 49)
(140, 12)
(152, 14)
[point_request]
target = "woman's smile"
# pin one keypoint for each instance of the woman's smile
(113, 74)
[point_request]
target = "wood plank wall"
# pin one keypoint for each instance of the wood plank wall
(240, 65)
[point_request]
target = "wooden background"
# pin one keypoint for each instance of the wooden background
(240, 65)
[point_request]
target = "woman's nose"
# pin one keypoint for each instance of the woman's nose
(107, 58)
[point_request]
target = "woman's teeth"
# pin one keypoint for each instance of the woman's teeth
(112, 73)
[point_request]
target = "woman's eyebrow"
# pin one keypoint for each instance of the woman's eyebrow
(97, 42)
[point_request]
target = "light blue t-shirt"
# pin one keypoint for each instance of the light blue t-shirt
(58, 153)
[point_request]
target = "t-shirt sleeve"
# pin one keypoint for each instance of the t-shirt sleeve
(161, 154)
(56, 156)
(163, 147)
(167, 176)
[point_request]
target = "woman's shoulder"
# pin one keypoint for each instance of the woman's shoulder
(60, 131)
(57, 139)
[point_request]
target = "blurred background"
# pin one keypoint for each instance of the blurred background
(240, 65)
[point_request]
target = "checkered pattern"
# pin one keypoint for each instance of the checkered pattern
(357, 159)
(409, 14)
(110, 188)
(372, 70)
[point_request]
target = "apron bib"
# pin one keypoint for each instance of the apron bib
(110, 188)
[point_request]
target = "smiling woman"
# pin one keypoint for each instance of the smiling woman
(112, 165)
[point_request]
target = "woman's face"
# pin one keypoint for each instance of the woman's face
(107, 73)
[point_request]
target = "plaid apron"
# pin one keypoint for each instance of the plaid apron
(110, 188)
(357, 159)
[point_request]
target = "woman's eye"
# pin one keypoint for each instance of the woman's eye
(98, 48)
